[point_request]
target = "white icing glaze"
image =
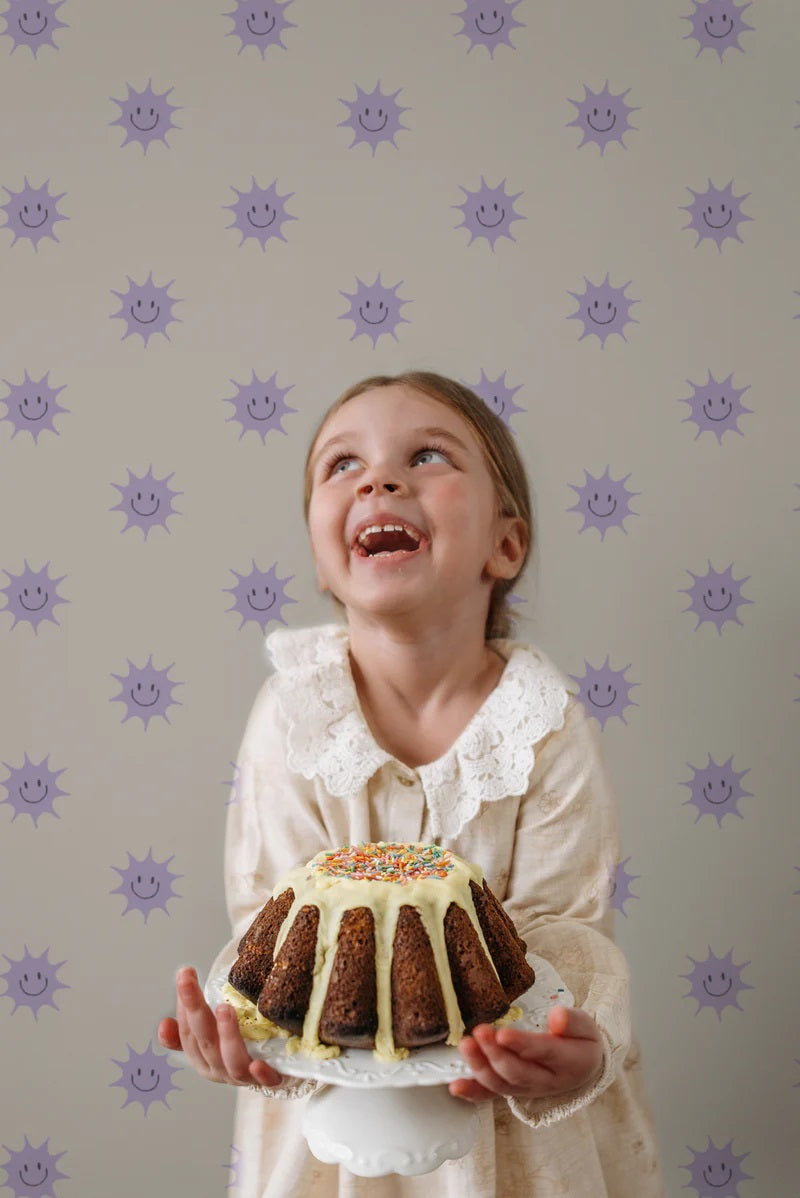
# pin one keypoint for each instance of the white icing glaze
(332, 895)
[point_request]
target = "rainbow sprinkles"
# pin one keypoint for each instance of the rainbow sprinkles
(385, 862)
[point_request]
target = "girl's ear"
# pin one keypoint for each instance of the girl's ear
(511, 545)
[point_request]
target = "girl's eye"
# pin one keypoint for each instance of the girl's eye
(342, 464)
(427, 455)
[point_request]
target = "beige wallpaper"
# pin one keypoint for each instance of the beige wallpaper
(589, 212)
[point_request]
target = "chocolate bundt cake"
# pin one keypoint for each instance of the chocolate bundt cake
(384, 946)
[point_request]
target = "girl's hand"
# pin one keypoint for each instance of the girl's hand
(508, 1061)
(213, 1043)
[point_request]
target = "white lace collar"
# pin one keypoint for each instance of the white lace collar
(329, 738)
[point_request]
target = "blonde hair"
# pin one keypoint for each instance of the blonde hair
(500, 454)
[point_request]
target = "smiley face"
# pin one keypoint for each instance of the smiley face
(32, 595)
(605, 692)
(489, 212)
(260, 213)
(33, 981)
(146, 116)
(32, 23)
(146, 501)
(603, 309)
(716, 406)
(716, 214)
(32, 405)
(374, 310)
(146, 1077)
(146, 885)
(716, 790)
(146, 308)
(604, 502)
(146, 691)
(260, 25)
(260, 406)
(36, 1168)
(602, 117)
(260, 596)
(716, 982)
(717, 25)
(374, 117)
(717, 1169)
(716, 597)
(488, 24)
(32, 788)
(32, 213)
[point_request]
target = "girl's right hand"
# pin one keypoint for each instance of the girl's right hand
(211, 1041)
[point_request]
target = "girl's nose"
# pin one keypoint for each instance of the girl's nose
(373, 485)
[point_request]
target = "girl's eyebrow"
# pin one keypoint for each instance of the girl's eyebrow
(432, 431)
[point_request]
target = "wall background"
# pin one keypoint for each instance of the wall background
(103, 800)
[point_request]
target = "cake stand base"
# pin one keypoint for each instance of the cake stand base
(377, 1131)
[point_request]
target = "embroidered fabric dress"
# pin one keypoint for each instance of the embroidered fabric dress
(522, 793)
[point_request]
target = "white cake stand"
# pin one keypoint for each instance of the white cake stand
(375, 1117)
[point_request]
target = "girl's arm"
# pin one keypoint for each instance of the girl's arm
(558, 895)
(272, 825)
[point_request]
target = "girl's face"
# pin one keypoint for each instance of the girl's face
(403, 511)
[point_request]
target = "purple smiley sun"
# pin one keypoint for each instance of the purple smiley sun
(620, 888)
(146, 501)
(33, 405)
(602, 117)
(716, 790)
(32, 23)
(715, 214)
(488, 212)
(498, 396)
(603, 502)
(33, 1171)
(146, 884)
(715, 597)
(33, 981)
(32, 595)
(260, 596)
(261, 26)
(260, 213)
(488, 23)
(374, 117)
(605, 692)
(715, 407)
(716, 25)
(32, 212)
(32, 788)
(145, 308)
(146, 692)
(604, 310)
(374, 310)
(259, 407)
(146, 1077)
(716, 1172)
(716, 982)
(146, 116)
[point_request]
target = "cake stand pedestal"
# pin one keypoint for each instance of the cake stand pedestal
(375, 1117)
(373, 1132)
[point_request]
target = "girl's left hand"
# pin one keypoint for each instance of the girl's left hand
(520, 1064)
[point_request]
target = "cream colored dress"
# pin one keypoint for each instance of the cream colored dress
(522, 793)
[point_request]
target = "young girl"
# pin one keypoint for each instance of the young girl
(421, 721)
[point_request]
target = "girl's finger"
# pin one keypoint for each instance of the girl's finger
(471, 1090)
(233, 1051)
(168, 1035)
(573, 1022)
(198, 1027)
(510, 1069)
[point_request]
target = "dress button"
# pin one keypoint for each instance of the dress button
(404, 780)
